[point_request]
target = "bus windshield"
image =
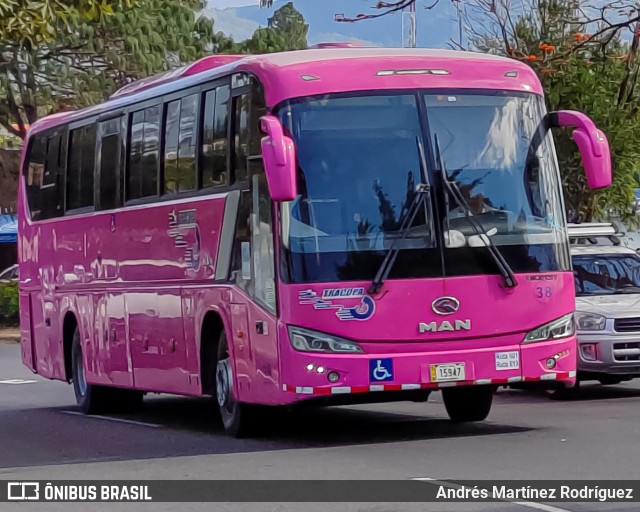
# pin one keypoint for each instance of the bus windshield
(359, 163)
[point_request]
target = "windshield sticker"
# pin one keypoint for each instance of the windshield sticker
(351, 303)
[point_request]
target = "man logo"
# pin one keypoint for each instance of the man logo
(445, 305)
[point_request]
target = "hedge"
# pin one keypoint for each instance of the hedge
(9, 303)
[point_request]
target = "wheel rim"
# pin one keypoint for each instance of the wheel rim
(224, 386)
(81, 381)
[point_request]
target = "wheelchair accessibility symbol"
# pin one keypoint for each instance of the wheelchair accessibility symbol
(380, 370)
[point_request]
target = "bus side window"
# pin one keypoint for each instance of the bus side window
(109, 169)
(262, 242)
(180, 145)
(44, 176)
(214, 138)
(241, 137)
(34, 176)
(82, 149)
(52, 199)
(258, 109)
(241, 253)
(142, 171)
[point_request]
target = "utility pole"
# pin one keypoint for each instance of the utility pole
(409, 30)
(457, 5)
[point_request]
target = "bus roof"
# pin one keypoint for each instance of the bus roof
(326, 70)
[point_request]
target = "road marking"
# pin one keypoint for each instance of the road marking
(117, 420)
(530, 504)
(17, 381)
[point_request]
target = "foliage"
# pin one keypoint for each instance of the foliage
(10, 142)
(290, 23)
(594, 73)
(287, 30)
(77, 56)
(30, 23)
(9, 309)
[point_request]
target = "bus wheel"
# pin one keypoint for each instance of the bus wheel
(91, 399)
(562, 392)
(468, 403)
(236, 416)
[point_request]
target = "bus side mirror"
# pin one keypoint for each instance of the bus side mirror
(593, 145)
(279, 159)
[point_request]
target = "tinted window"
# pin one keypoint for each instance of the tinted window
(44, 176)
(109, 164)
(172, 132)
(180, 145)
(142, 176)
(82, 147)
(52, 192)
(262, 238)
(241, 253)
(214, 143)
(35, 176)
(606, 274)
(258, 109)
(187, 148)
(241, 140)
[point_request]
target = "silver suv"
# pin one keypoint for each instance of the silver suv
(607, 280)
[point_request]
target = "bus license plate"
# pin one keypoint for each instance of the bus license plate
(447, 372)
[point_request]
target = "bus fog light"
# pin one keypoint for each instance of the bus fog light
(551, 363)
(333, 376)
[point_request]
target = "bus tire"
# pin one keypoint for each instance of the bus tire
(468, 403)
(90, 399)
(237, 417)
(561, 392)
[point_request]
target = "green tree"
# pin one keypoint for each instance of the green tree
(291, 24)
(29, 23)
(264, 40)
(287, 31)
(79, 56)
(594, 73)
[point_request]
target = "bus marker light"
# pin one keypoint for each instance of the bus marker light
(310, 367)
(320, 369)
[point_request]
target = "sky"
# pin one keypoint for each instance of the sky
(222, 4)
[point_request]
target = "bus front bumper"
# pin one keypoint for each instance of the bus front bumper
(307, 375)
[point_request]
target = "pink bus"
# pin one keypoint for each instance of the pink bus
(329, 226)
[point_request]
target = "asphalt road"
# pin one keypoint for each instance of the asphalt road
(526, 436)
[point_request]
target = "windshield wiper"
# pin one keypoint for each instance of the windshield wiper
(422, 197)
(452, 189)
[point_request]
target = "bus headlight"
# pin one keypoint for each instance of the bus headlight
(561, 328)
(306, 340)
(590, 321)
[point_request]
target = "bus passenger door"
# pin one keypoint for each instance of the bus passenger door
(256, 354)
(262, 312)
